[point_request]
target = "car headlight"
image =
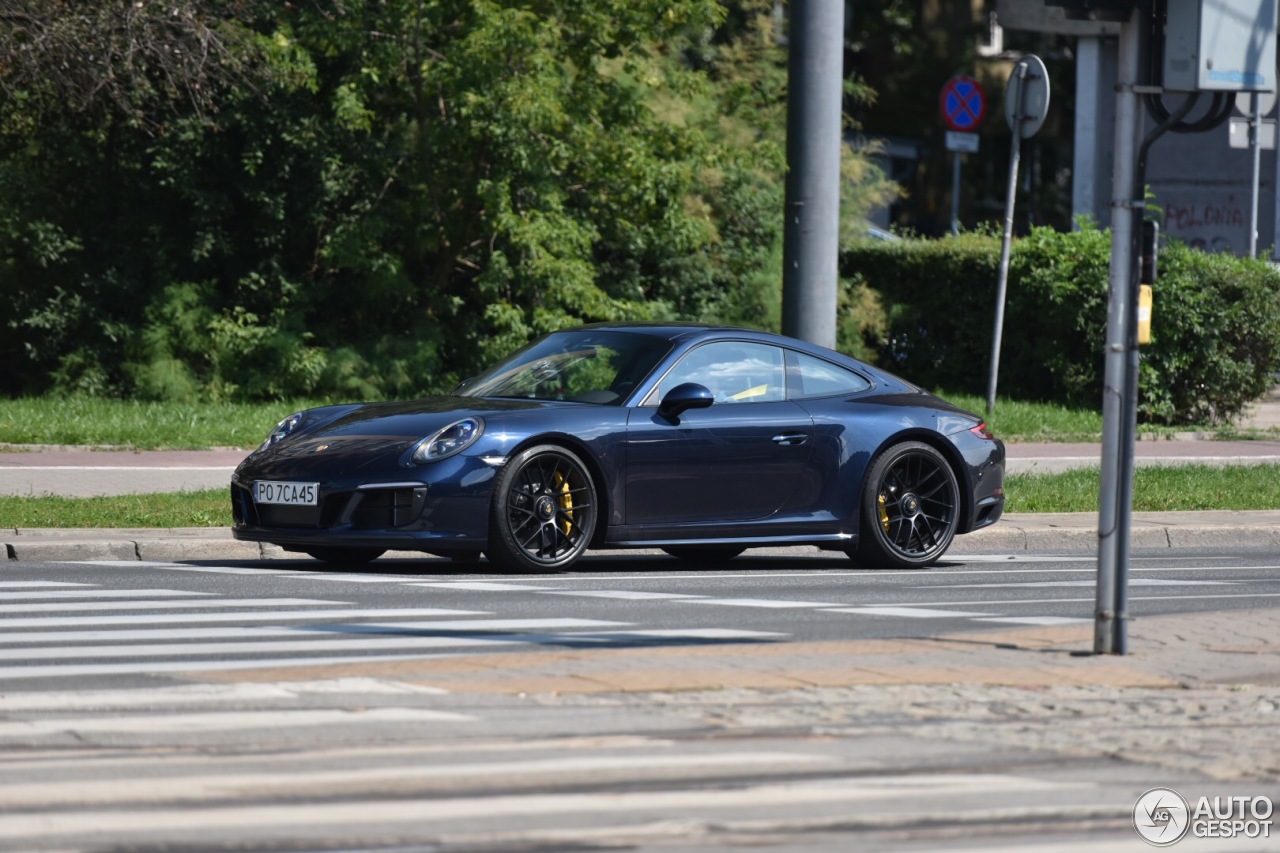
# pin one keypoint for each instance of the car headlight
(454, 438)
(283, 430)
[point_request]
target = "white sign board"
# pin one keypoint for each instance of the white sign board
(962, 143)
(1239, 133)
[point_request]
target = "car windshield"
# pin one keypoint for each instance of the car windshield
(583, 366)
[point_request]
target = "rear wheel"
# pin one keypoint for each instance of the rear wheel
(544, 510)
(705, 553)
(910, 508)
(350, 556)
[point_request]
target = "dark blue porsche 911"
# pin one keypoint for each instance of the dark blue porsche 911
(699, 440)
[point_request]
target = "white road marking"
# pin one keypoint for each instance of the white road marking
(364, 642)
(125, 564)
(482, 586)
(162, 605)
(249, 632)
(149, 667)
(917, 788)
(227, 721)
(102, 593)
(236, 692)
(230, 570)
(908, 612)
(255, 616)
(1015, 601)
(369, 578)
(31, 584)
(469, 625)
(627, 595)
(1132, 582)
(206, 787)
(770, 603)
(682, 633)
(1035, 620)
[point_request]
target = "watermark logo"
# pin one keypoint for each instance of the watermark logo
(1161, 817)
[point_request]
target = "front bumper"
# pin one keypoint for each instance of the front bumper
(437, 507)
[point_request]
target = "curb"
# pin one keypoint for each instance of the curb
(1017, 534)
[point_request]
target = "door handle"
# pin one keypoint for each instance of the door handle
(790, 439)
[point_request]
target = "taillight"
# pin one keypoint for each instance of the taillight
(981, 431)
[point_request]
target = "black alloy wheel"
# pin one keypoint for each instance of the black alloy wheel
(544, 510)
(350, 556)
(910, 508)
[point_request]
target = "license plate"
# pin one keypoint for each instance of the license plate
(288, 494)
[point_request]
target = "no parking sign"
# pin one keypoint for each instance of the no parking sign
(963, 103)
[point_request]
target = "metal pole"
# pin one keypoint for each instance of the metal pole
(1019, 79)
(1255, 148)
(955, 193)
(811, 234)
(1275, 200)
(1115, 380)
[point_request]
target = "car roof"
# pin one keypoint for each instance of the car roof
(678, 332)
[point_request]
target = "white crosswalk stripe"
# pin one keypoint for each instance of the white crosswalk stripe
(93, 630)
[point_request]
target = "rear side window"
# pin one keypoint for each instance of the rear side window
(809, 377)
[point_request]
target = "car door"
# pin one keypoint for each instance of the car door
(735, 461)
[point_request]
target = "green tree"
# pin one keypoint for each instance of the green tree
(373, 199)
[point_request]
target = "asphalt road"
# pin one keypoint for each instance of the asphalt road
(286, 706)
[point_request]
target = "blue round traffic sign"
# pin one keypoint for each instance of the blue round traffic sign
(963, 103)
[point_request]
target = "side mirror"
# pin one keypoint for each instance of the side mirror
(681, 398)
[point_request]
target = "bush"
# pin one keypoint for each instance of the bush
(1215, 331)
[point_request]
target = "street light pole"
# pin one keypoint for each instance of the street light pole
(1116, 478)
(811, 234)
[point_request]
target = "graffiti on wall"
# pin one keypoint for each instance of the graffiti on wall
(1213, 222)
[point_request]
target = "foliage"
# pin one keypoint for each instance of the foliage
(1215, 333)
(239, 199)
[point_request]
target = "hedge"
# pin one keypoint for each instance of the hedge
(1215, 331)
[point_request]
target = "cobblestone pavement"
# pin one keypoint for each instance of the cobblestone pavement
(1226, 732)
(1199, 694)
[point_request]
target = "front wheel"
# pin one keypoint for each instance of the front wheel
(544, 510)
(910, 508)
(350, 556)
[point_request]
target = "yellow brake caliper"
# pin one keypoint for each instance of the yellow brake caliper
(561, 485)
(884, 512)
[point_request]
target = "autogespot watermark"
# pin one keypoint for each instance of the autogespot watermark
(1163, 817)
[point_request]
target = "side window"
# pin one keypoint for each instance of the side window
(735, 372)
(813, 377)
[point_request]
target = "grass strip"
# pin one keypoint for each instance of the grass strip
(92, 421)
(1156, 488)
(196, 426)
(211, 508)
(1174, 488)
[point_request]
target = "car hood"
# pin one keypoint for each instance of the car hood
(412, 417)
(375, 433)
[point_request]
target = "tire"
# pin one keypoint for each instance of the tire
(705, 553)
(543, 514)
(350, 556)
(910, 508)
